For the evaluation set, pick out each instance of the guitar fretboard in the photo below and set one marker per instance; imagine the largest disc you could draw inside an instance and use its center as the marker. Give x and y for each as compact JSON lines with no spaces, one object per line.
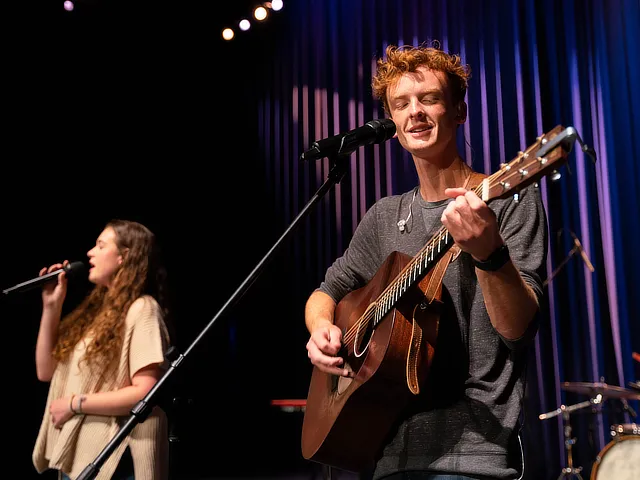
{"x":419,"y":266}
{"x":415,"y":270}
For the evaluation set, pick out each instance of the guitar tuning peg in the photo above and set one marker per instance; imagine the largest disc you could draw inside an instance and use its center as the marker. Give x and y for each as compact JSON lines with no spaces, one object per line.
{"x":555,"y":176}
{"x":516,"y":197}
{"x":536,"y":185}
{"x":502,"y":165}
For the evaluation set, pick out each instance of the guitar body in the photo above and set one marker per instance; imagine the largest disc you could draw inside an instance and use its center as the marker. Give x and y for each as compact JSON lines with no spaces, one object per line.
{"x":347,"y":419}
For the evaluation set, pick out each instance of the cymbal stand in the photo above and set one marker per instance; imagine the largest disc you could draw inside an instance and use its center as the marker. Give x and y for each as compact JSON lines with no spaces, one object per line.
{"x":570,"y":471}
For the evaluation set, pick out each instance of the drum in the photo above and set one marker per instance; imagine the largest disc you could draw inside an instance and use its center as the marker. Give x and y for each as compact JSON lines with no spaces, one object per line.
{"x":619,"y":459}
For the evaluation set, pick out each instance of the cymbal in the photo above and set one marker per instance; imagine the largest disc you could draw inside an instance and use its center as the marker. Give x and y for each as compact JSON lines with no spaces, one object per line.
{"x":605,"y":390}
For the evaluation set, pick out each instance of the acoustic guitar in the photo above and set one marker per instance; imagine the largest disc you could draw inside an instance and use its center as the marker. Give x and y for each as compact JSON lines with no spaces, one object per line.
{"x":390,"y":329}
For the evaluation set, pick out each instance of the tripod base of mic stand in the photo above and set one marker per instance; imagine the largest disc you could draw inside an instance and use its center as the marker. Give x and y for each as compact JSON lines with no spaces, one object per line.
{"x":569,"y":472}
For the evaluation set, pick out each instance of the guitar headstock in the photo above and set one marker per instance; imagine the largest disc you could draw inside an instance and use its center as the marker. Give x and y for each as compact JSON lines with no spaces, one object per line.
{"x":543,"y":157}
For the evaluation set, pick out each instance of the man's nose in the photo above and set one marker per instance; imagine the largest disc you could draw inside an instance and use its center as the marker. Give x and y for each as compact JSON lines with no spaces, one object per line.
{"x":416,"y":109}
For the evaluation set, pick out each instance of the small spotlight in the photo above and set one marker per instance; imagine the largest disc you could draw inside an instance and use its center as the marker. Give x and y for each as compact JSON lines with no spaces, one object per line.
{"x":244,"y":25}
{"x":276,"y":5}
{"x":227,"y":34}
{"x":260,"y":13}
{"x":68,"y":5}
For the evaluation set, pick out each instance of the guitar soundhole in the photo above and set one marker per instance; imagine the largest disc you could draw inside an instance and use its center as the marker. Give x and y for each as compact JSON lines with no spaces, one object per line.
{"x":363,"y":329}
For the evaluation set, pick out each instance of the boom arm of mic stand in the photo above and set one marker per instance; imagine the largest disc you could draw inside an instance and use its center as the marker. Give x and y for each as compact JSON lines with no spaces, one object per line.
{"x":562,"y":264}
{"x":141,"y":410}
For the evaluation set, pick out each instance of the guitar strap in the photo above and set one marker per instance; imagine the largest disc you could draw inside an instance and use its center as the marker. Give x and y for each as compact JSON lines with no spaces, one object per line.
{"x":431,"y":292}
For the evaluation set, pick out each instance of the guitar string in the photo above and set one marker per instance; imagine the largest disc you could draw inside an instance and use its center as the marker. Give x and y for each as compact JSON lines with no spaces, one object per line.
{"x":392,"y":288}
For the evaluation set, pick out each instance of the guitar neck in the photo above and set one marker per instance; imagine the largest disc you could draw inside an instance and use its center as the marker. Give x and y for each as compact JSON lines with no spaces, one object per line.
{"x":545,"y":155}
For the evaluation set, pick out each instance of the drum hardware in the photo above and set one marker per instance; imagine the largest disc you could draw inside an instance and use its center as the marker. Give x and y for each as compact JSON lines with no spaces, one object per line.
{"x":602,"y":388}
{"x":619,"y":429}
{"x":569,"y":441}
{"x":627,"y":408}
{"x":620,"y":458}
{"x":619,"y":393}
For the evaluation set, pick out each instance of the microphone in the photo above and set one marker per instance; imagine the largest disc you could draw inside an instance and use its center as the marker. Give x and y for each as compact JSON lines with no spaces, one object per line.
{"x":583,"y":254}
{"x":73,"y":269}
{"x":374,"y":131}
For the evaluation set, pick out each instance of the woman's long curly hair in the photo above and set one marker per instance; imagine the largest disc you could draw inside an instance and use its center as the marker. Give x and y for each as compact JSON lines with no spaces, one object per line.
{"x":401,"y":60}
{"x":101,"y":316}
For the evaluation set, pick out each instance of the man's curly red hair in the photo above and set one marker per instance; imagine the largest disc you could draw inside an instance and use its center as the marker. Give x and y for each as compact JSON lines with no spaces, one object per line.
{"x":401,"y":60}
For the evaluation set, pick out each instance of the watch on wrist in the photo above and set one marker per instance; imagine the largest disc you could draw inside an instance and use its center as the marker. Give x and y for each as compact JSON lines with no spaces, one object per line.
{"x":495,"y":261}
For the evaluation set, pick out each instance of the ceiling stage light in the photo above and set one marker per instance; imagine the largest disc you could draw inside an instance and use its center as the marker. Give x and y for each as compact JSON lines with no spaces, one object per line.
{"x":260,"y":13}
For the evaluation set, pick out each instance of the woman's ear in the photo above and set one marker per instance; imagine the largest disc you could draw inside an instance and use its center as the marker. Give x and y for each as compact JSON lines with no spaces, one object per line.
{"x":123,"y":255}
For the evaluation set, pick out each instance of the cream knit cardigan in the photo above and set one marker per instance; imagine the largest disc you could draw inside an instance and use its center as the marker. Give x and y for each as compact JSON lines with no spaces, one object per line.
{"x":81,"y":439}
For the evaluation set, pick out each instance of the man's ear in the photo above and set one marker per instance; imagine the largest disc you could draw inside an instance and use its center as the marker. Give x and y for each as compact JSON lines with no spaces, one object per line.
{"x":461,"y":113}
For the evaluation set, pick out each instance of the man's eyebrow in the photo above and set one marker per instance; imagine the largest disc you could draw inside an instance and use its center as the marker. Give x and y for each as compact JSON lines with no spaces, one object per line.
{"x":421,"y":93}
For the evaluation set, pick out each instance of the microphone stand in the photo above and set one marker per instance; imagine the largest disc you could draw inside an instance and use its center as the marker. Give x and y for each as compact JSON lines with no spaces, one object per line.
{"x":141,"y":410}
{"x":571,"y":253}
{"x":577,"y":247}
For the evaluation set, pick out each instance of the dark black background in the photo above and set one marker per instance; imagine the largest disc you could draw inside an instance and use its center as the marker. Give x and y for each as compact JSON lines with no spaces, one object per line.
{"x":139,"y":110}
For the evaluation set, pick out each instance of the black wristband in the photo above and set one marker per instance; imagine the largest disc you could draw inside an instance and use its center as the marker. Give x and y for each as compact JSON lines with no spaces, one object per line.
{"x":495,"y":261}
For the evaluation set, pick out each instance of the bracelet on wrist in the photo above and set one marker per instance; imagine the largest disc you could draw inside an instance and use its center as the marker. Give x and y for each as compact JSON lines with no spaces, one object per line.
{"x":81,"y":398}
{"x":498,"y":258}
{"x":73,"y":395}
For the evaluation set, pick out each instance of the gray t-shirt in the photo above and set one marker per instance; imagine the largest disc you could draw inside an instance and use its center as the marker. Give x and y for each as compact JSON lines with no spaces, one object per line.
{"x":469,"y":422}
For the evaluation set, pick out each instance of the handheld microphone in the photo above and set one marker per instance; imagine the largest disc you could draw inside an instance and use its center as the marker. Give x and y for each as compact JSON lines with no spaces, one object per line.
{"x":374,"y":131}
{"x":73,"y":269}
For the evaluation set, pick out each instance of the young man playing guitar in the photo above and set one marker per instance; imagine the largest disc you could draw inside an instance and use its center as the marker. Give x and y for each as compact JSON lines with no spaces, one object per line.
{"x":463,"y":420}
